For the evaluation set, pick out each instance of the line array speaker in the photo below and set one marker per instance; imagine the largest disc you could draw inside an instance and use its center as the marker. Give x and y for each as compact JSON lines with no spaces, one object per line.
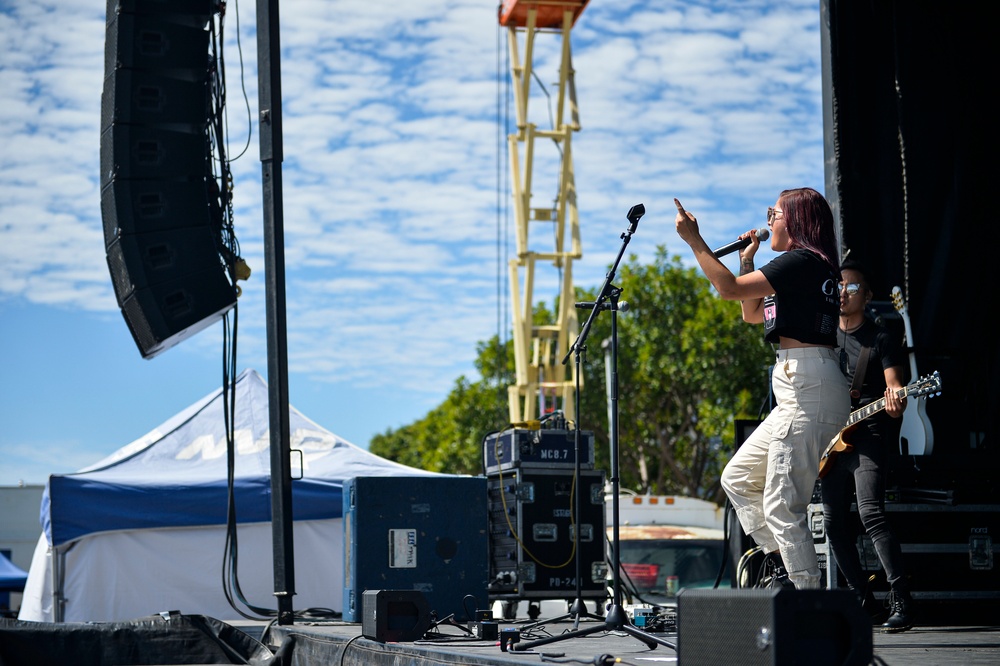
{"x":159,"y":199}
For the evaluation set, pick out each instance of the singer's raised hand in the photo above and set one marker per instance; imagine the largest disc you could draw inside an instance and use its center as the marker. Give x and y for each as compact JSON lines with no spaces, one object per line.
{"x":687,"y":224}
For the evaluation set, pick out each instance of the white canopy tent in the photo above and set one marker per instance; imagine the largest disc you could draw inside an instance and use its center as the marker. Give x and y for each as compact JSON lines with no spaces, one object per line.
{"x":143,"y":531}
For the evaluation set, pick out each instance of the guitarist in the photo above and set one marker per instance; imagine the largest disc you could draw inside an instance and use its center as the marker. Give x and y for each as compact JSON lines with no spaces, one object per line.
{"x":878,"y":359}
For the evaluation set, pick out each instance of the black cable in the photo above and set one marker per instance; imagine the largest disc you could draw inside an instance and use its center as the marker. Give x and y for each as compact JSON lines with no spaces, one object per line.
{"x":448,"y":620}
{"x":725,"y":544}
{"x":229,"y":252}
{"x":632,"y":589}
{"x":243,"y":83}
{"x":231,"y":586}
{"x":471,"y":614}
{"x":343,"y":650}
{"x":599,"y":660}
{"x":223,"y":216}
{"x":499,"y":178}
{"x":220,"y":185}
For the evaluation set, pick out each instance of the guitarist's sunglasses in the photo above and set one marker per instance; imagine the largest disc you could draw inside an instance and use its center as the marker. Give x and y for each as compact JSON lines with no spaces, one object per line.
{"x":851,"y":288}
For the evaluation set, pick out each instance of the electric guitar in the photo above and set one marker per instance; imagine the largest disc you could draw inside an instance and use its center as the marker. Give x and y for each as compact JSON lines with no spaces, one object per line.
{"x":916,"y":435}
{"x":928,"y":386}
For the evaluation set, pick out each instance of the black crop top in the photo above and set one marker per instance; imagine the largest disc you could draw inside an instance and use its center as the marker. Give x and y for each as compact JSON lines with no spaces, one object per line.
{"x":805,"y":303}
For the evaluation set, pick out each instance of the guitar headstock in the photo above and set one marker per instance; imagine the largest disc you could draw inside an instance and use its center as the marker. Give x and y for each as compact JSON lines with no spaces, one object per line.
{"x":928,"y":386}
{"x":897,"y":300}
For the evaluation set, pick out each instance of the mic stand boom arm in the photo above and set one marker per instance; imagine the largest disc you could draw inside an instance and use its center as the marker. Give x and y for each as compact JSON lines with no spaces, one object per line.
{"x":634,"y":213}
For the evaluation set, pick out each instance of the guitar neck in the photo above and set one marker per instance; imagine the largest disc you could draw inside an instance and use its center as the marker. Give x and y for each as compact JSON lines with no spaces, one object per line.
{"x":904,"y":314}
{"x":909,"y":341}
{"x":873,"y":408}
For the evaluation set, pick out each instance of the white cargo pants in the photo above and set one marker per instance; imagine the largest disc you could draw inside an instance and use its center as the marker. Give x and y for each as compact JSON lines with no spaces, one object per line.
{"x":771,"y":477}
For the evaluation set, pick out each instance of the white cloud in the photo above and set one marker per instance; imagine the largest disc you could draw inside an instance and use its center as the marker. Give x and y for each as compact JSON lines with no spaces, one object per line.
{"x":392,"y":159}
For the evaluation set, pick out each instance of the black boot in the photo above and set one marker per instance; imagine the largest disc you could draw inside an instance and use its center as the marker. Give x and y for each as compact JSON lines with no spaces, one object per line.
{"x":900,"y":612}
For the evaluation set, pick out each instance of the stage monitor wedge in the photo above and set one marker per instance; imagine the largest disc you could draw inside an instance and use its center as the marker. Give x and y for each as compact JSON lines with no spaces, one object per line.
{"x":772,"y":627}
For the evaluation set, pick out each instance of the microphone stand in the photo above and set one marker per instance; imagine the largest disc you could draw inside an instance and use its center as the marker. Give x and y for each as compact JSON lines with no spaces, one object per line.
{"x":616,"y":619}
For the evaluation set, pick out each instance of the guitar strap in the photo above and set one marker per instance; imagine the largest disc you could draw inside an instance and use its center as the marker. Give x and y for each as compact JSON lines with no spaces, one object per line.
{"x":859,"y":373}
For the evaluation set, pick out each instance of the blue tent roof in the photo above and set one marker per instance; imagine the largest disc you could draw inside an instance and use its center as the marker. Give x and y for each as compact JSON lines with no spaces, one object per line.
{"x":176,"y":474}
{"x":12,"y":577}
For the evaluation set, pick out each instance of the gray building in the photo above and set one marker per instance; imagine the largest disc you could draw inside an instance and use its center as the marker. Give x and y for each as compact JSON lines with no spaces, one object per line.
{"x":19,"y":530}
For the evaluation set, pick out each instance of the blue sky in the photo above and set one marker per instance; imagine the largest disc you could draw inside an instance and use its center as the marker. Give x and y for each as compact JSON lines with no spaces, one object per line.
{"x":390,"y":196}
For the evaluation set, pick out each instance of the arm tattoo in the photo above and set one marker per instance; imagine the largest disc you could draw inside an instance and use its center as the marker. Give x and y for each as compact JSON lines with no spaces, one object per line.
{"x":746,"y":266}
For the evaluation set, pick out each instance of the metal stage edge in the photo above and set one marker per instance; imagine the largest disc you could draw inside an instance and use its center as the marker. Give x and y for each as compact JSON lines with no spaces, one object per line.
{"x":343,"y":643}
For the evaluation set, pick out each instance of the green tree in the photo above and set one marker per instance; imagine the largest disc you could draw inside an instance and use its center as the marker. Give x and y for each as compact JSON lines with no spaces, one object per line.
{"x":687,"y":367}
{"x":449,"y":438}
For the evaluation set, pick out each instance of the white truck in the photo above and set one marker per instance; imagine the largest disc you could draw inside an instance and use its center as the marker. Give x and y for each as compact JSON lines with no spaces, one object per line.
{"x":667,"y":542}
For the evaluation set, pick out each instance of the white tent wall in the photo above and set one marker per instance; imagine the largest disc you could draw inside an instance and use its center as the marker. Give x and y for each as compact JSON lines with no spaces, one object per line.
{"x":37,"y":602}
{"x":132,"y":574}
{"x":143,"y":531}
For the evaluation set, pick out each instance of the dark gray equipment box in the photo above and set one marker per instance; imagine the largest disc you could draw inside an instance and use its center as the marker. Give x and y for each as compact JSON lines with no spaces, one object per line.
{"x":949,"y":550}
{"x":416,"y":533}
{"x":551,"y":449}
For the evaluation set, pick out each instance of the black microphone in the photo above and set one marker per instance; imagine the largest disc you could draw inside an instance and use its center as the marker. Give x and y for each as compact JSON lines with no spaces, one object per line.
{"x":606,"y":305}
{"x":634,"y":213}
{"x":737,"y":245}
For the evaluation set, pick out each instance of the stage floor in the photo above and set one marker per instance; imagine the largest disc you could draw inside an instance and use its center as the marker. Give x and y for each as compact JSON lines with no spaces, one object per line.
{"x":343,"y":643}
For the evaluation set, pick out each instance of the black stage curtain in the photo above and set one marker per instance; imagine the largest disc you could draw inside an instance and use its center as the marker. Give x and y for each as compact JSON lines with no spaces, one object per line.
{"x":911,"y":145}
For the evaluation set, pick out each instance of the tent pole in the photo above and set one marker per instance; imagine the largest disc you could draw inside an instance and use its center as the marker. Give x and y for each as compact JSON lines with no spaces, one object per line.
{"x":58,"y":600}
{"x":269,"y":82}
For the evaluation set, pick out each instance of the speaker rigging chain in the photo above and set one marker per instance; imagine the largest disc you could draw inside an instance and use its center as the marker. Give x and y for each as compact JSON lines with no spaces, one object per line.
{"x":902,"y":163}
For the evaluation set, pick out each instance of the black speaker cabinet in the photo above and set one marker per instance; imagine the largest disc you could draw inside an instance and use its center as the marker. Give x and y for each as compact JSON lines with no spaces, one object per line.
{"x":159,"y":198}
{"x":774,"y":627}
{"x":394,"y":616}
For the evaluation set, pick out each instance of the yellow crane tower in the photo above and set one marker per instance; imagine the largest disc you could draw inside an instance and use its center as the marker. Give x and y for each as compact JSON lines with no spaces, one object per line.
{"x":544,"y":382}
